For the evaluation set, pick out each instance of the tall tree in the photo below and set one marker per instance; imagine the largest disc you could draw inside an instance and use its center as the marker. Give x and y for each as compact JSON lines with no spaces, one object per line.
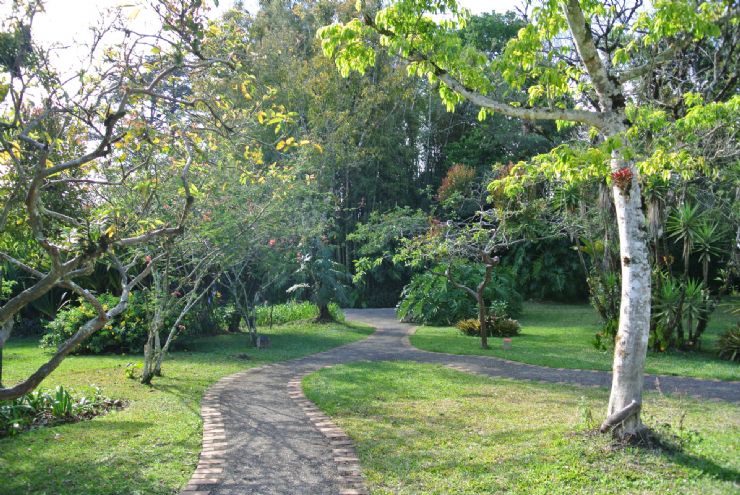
{"x":583,"y":58}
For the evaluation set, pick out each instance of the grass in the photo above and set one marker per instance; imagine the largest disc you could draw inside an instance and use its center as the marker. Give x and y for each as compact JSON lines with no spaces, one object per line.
{"x":428,"y":429}
{"x":293,"y":311}
{"x":152,"y":446}
{"x":560,"y":335}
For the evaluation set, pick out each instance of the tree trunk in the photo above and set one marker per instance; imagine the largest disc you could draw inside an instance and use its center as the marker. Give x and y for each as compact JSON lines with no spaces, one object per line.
{"x":482,"y":317}
{"x":234,"y":322}
{"x":634,"y":315}
{"x":147,"y":372}
{"x":5,"y":330}
{"x":157,"y":354}
{"x":152,"y":347}
{"x":324,"y":314}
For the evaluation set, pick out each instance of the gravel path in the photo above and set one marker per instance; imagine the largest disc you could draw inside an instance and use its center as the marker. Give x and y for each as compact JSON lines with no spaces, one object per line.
{"x":262,"y":437}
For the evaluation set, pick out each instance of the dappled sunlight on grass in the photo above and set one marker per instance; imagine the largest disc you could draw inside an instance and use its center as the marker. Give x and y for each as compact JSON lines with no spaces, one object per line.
{"x":152,"y":446}
{"x":428,"y":429}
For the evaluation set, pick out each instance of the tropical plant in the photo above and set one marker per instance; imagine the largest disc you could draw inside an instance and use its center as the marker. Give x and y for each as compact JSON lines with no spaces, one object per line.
{"x":683,"y":225}
{"x":431,"y":299}
{"x":496,"y":326}
{"x":323,"y":278}
{"x":49,"y":407}
{"x":729,"y":344}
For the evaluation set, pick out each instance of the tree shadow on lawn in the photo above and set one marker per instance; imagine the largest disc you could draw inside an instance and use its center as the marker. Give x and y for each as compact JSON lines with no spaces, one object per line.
{"x":680,"y":456}
{"x":67,"y":460}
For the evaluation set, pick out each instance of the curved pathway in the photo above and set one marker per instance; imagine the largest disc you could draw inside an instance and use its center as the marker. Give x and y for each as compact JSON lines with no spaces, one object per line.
{"x":262,"y":437}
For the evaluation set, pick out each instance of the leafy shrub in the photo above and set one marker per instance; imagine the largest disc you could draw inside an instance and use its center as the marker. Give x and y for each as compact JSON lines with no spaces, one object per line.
{"x":293,"y":311}
{"x":430,"y":299}
{"x":499,"y":309}
{"x":496,"y":326}
{"x":729,"y":344}
{"x":46,"y":408}
{"x":503,"y":327}
{"x":547,"y":270}
{"x":605,"y":295}
{"x":459,"y":179}
{"x":127,"y":333}
{"x":469,"y":327}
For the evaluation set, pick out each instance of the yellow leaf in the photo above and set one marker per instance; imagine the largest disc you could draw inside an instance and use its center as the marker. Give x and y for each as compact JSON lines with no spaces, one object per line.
{"x":245,"y":92}
{"x":280,"y":145}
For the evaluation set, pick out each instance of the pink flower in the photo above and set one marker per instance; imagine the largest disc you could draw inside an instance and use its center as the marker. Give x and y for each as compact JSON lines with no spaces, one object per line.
{"x":272,"y":242}
{"x":148,"y":259}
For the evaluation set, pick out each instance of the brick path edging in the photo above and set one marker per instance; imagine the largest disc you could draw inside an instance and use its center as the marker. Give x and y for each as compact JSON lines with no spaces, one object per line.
{"x":345,"y":456}
{"x":209,"y":471}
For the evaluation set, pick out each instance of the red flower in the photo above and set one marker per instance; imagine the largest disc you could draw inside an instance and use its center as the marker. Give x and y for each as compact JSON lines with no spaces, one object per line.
{"x":272,"y":242}
{"x":622,"y":178}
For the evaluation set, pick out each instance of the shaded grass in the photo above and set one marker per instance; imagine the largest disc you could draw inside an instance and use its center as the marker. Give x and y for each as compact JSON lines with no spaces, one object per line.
{"x":560,"y":335}
{"x":428,"y":429}
{"x":152,"y":446}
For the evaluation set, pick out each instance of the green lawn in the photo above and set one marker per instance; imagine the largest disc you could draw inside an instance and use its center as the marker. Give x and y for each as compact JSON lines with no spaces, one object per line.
{"x":560,"y":335}
{"x":152,"y":446}
{"x":428,"y":429}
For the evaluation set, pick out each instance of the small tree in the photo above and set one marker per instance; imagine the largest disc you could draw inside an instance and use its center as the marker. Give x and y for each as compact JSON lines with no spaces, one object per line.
{"x":172,"y":298}
{"x":323,"y":278}
{"x":100,"y":146}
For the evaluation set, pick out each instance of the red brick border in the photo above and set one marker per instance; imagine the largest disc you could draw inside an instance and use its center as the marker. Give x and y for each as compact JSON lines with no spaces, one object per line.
{"x":209,"y":471}
{"x":345,"y":457}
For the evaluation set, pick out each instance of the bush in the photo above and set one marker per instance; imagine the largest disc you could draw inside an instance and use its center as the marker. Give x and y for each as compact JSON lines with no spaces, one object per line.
{"x":127,"y":333}
{"x":496,"y":326}
{"x":293,"y":311}
{"x":469,"y":327}
{"x":431,"y":300}
{"x":729,"y":344}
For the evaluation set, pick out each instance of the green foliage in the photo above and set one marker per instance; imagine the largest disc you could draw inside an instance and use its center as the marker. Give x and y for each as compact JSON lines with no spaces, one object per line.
{"x":678,"y":307}
{"x":547,"y":270}
{"x":323,"y":278}
{"x":124,"y":334}
{"x":46,"y":408}
{"x":132,"y":370}
{"x":430,"y":299}
{"x":469,"y":327}
{"x":496,"y":326}
{"x":605,"y":288}
{"x":279,"y":314}
{"x":459,"y":180}
{"x":729,"y":344}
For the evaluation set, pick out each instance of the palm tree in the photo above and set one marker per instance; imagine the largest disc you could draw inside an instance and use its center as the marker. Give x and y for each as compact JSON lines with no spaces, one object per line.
{"x":707,"y":242}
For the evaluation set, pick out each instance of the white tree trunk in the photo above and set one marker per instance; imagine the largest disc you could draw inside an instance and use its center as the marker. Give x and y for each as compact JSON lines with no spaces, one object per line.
{"x":634,"y":316}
